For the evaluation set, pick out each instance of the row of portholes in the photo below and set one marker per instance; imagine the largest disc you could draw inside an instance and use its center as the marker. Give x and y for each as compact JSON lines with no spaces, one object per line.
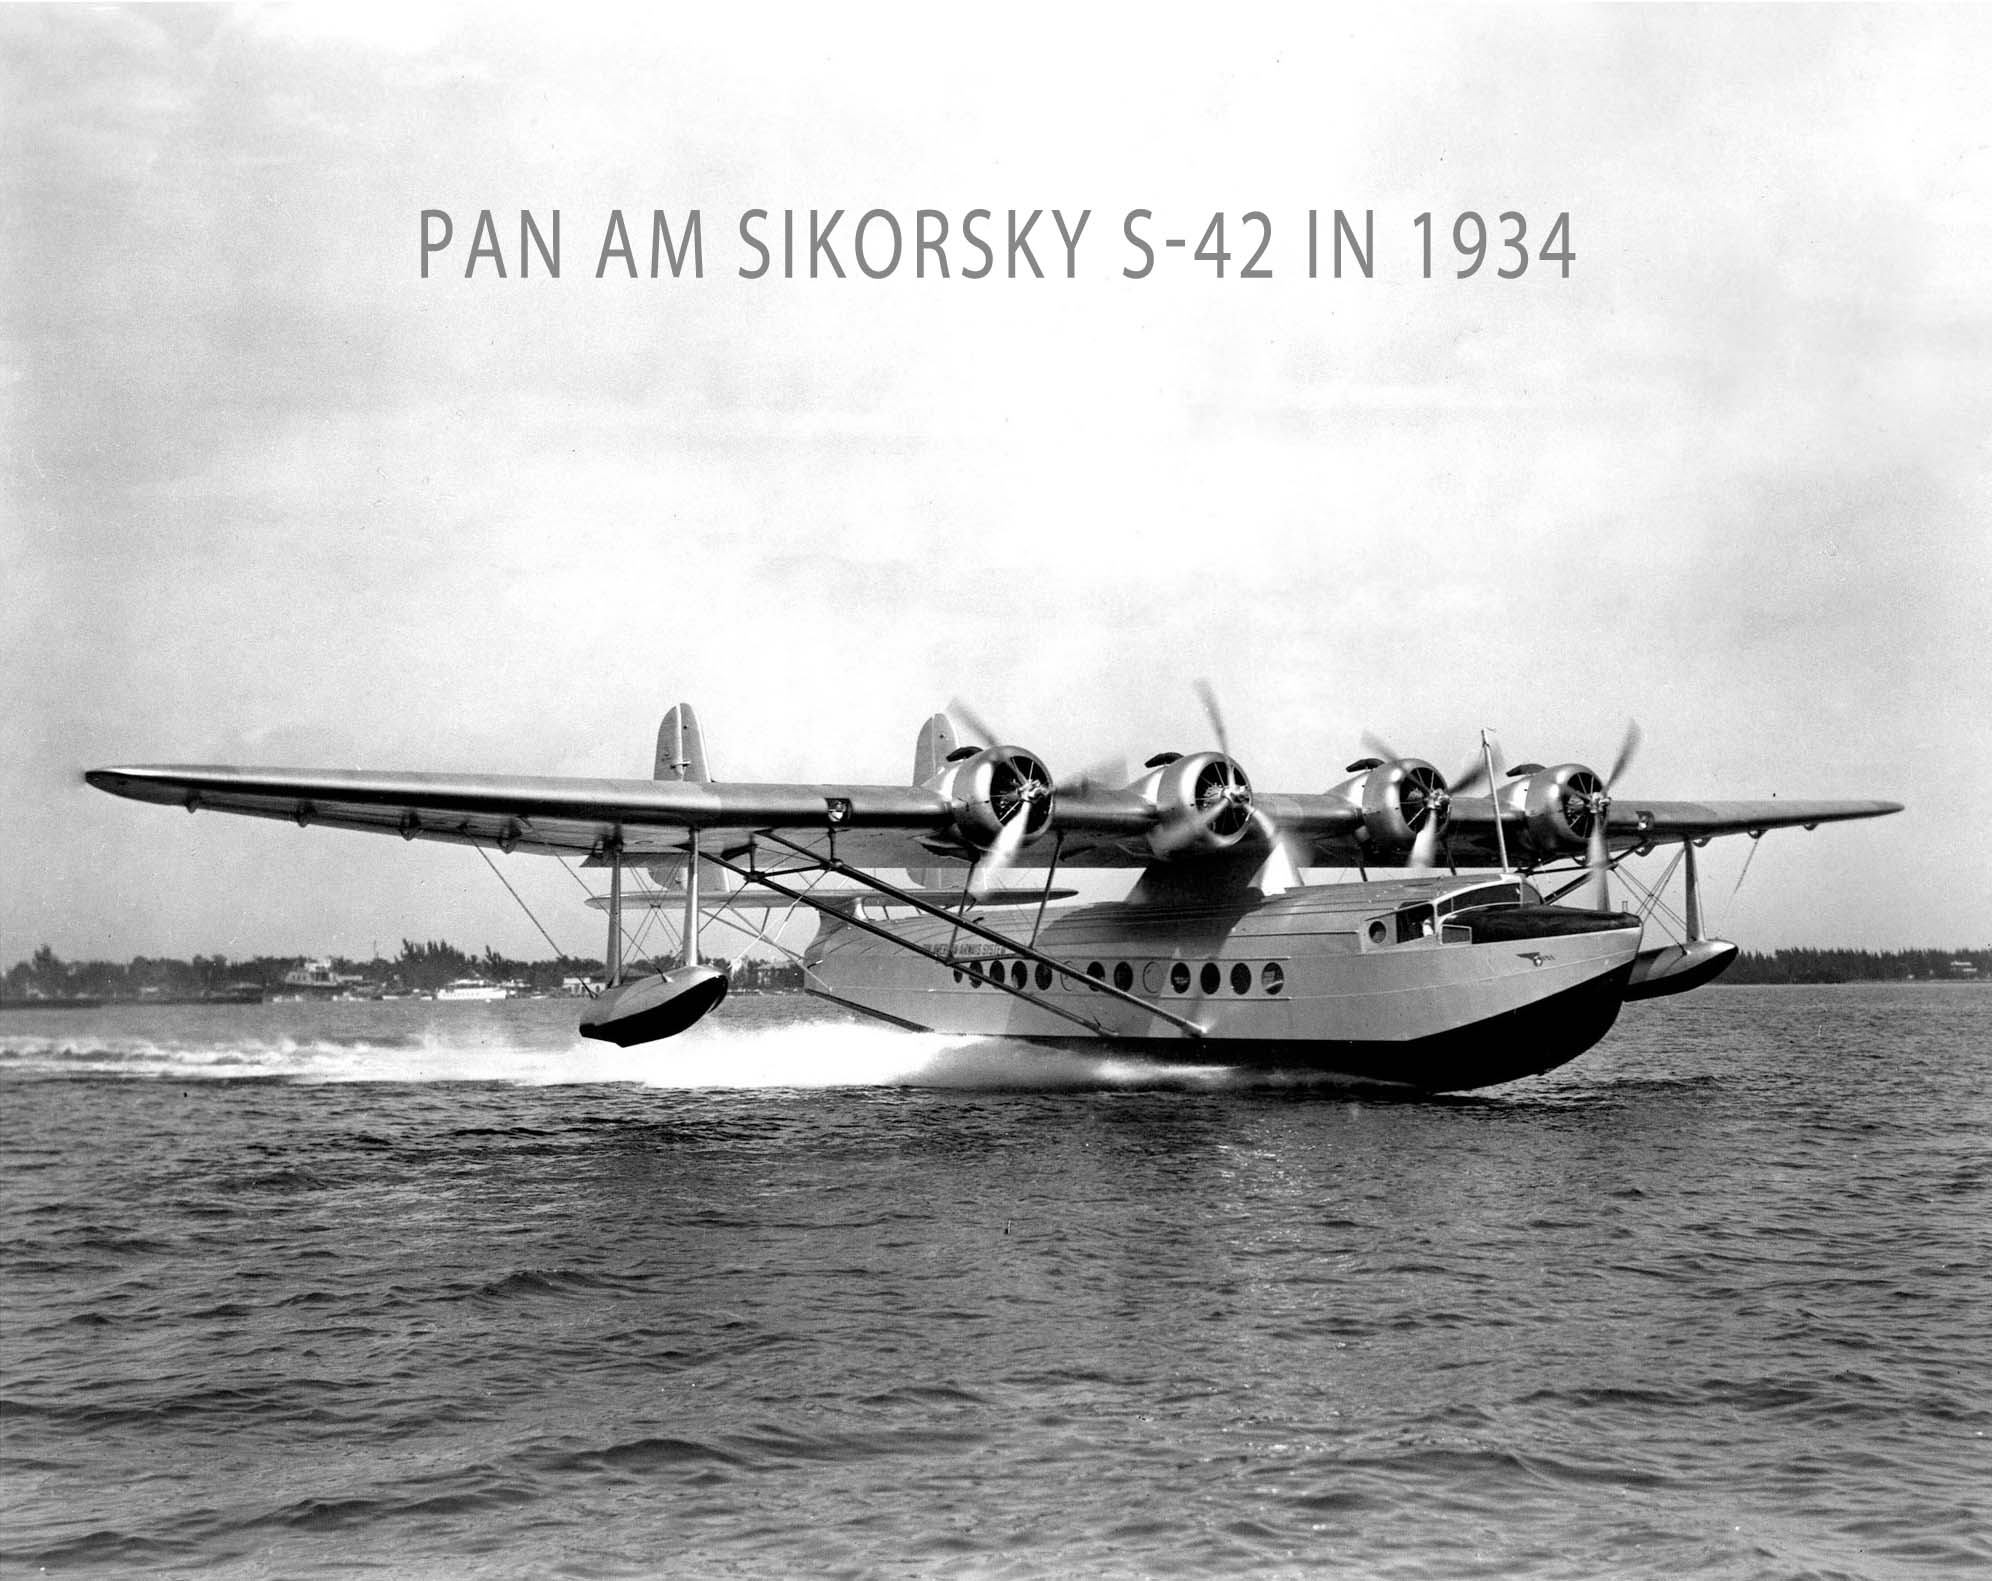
{"x":1154,"y":976}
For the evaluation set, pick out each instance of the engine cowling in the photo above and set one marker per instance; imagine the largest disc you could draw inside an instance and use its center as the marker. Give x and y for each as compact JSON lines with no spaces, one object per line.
{"x":1558,"y":806}
{"x":1205,"y":800}
{"x":986,"y":791}
{"x":1396,"y":800}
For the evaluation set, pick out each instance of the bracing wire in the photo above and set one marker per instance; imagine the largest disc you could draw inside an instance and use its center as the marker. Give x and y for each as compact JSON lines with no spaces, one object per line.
{"x":1654,"y":894}
{"x":528,"y":910}
{"x":1656,"y":901}
{"x":1746,"y":865}
{"x":654,"y":911}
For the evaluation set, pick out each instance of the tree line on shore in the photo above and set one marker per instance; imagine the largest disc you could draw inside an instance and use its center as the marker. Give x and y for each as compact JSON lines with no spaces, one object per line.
{"x":1860,"y":966}
{"x":419,"y":968}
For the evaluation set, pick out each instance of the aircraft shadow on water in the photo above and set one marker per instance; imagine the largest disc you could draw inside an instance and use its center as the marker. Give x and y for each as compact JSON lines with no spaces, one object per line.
{"x":1456,"y":971}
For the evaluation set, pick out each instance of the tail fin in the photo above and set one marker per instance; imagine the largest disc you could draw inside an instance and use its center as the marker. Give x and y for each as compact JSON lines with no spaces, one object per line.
{"x":930,"y":756}
{"x":681,"y":756}
{"x":930,"y":752}
{"x":681,"y":746}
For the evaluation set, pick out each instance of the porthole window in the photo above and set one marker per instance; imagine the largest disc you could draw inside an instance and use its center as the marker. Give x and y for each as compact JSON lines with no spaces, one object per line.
{"x":1378,"y":933}
{"x":1271,"y":977}
{"x":1043,"y":975}
{"x":1153,"y":976}
{"x":1019,"y":974}
{"x":1179,"y":977}
{"x":1095,"y":969}
{"x":957,"y":974}
{"x":1213,"y":977}
{"x":1123,"y":976}
{"x":1241,"y":978}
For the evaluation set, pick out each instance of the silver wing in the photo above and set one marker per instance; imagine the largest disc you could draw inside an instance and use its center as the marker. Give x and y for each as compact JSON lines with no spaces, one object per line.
{"x":873,"y":825}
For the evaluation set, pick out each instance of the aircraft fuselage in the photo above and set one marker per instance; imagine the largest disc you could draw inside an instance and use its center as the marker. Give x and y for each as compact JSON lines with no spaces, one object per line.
{"x":1436,"y":983}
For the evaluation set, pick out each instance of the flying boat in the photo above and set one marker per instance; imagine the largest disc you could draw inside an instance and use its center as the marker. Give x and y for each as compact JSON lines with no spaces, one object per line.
{"x":1444,"y":965}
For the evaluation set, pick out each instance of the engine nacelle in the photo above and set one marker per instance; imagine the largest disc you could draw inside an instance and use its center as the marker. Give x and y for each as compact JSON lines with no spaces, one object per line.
{"x":1395,"y":799}
{"x":1556,"y":805}
{"x":1205,"y":800}
{"x":985,"y":792}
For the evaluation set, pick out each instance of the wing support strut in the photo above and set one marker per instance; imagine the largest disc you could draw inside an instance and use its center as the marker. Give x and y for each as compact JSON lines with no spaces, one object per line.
{"x":1692,"y":880}
{"x":691,"y":944}
{"x":612,"y":849}
{"x":898,"y":897}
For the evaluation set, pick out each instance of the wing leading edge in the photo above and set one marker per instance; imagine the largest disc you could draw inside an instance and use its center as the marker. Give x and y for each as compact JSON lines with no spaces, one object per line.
{"x":1634,"y":822}
{"x":874,"y":825}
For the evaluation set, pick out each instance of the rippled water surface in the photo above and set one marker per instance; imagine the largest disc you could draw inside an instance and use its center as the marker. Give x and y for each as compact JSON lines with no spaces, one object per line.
{"x":440,"y":1290}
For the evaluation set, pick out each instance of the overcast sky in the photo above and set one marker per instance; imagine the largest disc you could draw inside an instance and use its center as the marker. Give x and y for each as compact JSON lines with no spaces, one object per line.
{"x":270,"y":496}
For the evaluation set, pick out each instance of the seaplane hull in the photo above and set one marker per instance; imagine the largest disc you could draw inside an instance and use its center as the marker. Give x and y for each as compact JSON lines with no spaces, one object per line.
{"x":1398,"y":984}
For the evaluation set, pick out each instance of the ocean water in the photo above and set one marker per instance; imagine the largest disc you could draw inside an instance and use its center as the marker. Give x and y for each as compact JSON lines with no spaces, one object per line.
{"x":440,"y":1290}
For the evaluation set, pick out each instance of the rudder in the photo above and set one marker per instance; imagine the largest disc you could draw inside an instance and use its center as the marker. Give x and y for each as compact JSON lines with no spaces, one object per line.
{"x":930,"y":756}
{"x":930,"y":752}
{"x":681,"y":747}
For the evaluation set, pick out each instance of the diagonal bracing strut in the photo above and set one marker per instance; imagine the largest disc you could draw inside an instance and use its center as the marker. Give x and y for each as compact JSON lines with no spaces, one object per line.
{"x":899,"y":897}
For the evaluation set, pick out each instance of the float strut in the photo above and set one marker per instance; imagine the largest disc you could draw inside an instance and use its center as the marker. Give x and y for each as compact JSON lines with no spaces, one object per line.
{"x":1692,"y":883}
{"x":692,"y":900}
{"x":612,"y":849}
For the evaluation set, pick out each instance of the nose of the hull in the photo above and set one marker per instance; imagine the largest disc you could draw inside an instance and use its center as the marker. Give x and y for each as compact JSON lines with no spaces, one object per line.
{"x":1526,"y":1041}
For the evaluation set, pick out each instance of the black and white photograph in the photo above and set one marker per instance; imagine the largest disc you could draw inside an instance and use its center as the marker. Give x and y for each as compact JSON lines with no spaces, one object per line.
{"x":1057,"y":792}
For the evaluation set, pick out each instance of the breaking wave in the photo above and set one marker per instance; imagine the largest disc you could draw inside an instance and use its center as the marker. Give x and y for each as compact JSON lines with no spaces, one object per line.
{"x":751,"y":1044}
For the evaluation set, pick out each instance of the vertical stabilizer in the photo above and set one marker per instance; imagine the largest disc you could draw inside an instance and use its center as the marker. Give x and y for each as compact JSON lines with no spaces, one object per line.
{"x":681,"y":746}
{"x":930,"y":756}
{"x":681,"y":756}
{"x":930,"y":752}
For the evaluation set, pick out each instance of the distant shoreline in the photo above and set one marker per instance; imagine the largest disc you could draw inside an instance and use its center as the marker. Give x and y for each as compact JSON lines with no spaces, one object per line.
{"x":46,"y":981}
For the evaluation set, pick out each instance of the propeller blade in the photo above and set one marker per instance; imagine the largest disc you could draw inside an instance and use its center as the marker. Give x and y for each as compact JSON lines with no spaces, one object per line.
{"x":1474,"y":775}
{"x":977,"y":725}
{"x":1002,"y":851}
{"x":1598,"y":860}
{"x":1377,"y":747}
{"x":1627,"y":748}
{"x":1425,"y":849}
{"x":1214,"y":714}
{"x":1107,"y":774}
{"x":1183,"y":826}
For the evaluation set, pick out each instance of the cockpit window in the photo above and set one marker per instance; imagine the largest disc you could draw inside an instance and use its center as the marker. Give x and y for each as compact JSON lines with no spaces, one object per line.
{"x":1416,"y":922}
{"x":1486,"y":895}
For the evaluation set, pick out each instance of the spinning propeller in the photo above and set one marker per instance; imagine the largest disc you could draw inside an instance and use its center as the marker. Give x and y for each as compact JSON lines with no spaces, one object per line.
{"x":1589,"y":811}
{"x":1425,"y":794}
{"x":1020,"y":799}
{"x":1221,"y":801}
{"x":1585,"y":804}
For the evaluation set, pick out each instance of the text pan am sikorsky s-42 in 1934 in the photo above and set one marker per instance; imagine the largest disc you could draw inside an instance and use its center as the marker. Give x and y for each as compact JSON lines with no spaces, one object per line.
{"x":1454,"y":971}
